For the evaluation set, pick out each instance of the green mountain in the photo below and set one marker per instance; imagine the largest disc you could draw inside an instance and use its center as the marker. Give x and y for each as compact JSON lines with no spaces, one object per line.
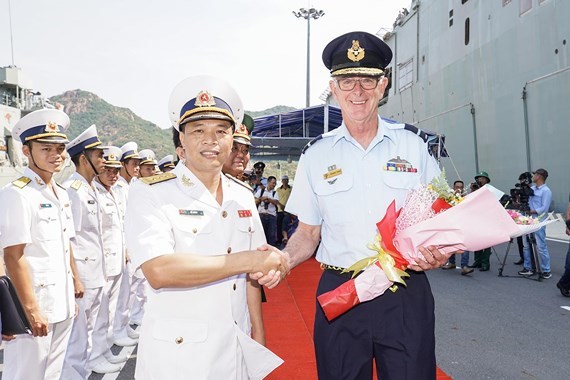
{"x":117,"y":125}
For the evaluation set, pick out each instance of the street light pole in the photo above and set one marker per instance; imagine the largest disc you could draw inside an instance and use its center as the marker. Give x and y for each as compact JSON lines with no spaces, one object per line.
{"x":309,"y":14}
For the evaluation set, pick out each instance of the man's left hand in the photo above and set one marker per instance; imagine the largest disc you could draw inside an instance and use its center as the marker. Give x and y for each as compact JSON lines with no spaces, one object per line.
{"x":433,"y":259}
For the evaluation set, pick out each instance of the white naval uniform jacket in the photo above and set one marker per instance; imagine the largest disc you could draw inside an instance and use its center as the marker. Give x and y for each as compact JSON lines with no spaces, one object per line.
{"x":34,"y":216}
{"x":346,"y":189}
{"x":200,"y":332}
{"x":87,"y":245}
{"x":112,"y":208}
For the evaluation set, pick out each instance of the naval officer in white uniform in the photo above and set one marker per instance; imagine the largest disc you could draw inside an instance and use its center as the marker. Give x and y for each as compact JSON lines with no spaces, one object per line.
{"x":86,"y":152}
{"x":35,"y":227}
{"x":195,"y":240}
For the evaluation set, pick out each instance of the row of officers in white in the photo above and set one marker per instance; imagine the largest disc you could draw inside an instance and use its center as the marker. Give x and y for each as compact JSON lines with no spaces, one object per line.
{"x":68,"y":250}
{"x":65,"y":251}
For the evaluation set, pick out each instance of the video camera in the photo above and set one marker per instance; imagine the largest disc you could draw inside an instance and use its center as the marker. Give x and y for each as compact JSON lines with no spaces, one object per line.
{"x":519,"y":196}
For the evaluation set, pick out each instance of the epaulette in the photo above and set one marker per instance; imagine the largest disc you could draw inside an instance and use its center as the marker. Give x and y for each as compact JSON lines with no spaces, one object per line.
{"x":21,"y":182}
{"x":162,"y":177}
{"x":239,"y":182}
{"x":416,"y":131}
{"x":76,"y":185}
{"x":311,"y":143}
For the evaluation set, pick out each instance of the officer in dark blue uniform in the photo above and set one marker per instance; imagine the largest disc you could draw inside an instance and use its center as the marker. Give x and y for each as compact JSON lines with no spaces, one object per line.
{"x":343,"y":187}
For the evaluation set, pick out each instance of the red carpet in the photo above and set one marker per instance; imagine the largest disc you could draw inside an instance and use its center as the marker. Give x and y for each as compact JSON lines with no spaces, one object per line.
{"x":289,"y":315}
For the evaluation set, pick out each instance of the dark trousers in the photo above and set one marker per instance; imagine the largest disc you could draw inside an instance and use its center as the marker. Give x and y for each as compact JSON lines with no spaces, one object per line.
{"x":269,"y":223}
{"x":565,"y":280}
{"x":396,"y":329}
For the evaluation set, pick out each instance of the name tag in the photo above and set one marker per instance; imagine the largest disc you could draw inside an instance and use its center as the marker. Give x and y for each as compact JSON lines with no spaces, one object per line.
{"x":191,"y":212}
{"x":91,"y":202}
{"x":45,"y":205}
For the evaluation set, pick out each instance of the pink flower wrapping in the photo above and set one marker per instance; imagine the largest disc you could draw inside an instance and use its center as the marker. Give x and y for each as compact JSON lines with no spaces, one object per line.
{"x":478,"y":222}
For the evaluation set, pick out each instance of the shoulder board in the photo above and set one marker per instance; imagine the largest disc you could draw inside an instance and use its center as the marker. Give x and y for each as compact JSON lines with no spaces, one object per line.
{"x":76,"y":185}
{"x":310,"y":143}
{"x":21,"y":182}
{"x":162,"y":177}
{"x":416,"y":131}
{"x":239,"y":182}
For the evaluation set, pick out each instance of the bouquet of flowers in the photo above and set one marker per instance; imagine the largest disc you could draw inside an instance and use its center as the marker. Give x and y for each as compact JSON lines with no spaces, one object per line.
{"x":527,"y":224}
{"x":431,"y":215}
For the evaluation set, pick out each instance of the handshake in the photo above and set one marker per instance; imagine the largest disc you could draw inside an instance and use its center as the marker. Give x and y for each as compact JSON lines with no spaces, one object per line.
{"x":269,"y":266}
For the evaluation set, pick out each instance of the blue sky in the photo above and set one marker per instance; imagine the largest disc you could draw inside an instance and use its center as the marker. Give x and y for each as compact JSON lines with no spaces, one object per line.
{"x":132,"y":53}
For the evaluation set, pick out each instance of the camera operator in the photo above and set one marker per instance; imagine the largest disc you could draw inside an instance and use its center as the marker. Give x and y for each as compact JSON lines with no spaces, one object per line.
{"x":519,"y":201}
{"x":539,"y":203}
{"x":481,"y":257}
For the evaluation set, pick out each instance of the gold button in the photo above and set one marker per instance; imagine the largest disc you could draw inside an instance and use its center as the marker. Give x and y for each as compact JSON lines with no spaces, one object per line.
{"x":87,"y":259}
{"x":179,"y":340}
{"x":234,"y":286}
{"x":194,"y":230}
{"x":229,"y":250}
{"x":249,"y":229}
{"x":224,"y":214}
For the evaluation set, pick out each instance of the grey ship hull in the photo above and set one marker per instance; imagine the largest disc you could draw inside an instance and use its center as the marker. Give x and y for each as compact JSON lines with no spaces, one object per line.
{"x":501,"y":100}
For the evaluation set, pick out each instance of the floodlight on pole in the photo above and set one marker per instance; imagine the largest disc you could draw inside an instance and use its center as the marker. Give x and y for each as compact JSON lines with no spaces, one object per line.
{"x":309,"y":14}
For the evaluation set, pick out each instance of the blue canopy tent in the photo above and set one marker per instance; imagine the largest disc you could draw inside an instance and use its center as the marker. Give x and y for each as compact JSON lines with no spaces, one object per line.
{"x":283,"y":136}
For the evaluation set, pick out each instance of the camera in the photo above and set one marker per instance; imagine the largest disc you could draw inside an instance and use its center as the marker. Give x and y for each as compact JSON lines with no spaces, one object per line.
{"x":520,"y":194}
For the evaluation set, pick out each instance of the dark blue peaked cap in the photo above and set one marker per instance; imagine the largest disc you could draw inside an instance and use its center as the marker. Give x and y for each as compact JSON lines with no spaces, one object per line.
{"x":357,"y":53}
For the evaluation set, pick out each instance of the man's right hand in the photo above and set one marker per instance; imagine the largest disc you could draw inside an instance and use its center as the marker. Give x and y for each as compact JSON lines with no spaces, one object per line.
{"x":38,"y":322}
{"x":273,"y":276}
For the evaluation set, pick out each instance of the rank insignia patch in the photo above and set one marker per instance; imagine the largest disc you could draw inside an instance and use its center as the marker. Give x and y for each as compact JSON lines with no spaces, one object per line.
{"x":400,"y":165}
{"x":244,"y":213}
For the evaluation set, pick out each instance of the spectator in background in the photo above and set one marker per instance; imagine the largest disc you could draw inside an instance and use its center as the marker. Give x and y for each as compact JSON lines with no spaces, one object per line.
{"x":539,"y":204}
{"x":148,"y":163}
{"x":282,"y":216}
{"x":177,"y":144}
{"x":564,"y":284}
{"x":481,"y":259}
{"x":239,"y":156}
{"x":267,"y":201}
{"x":258,"y":169}
{"x":459,"y":188}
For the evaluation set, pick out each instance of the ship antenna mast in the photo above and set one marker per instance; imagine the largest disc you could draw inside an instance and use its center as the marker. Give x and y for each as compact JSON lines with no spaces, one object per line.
{"x":11,"y":34}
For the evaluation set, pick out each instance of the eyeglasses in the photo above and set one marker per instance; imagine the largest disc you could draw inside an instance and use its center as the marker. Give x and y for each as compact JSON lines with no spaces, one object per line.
{"x":348,"y":84}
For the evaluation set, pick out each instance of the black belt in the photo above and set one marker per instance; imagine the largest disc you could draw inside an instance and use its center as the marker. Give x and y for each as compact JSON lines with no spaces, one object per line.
{"x":341,"y":272}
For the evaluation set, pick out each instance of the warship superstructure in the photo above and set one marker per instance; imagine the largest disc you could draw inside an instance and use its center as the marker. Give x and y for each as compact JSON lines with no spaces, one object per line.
{"x":492,"y":76}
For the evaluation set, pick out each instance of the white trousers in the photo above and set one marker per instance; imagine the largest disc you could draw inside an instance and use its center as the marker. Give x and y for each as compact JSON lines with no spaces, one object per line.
{"x":138,"y":297}
{"x":101,"y":339}
{"x":28,"y":357}
{"x":79,"y":348}
{"x":121,"y":320}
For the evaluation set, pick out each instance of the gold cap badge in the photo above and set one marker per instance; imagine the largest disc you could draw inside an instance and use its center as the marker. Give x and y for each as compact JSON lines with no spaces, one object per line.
{"x":52,"y":127}
{"x":355,"y":53}
{"x":204,"y":99}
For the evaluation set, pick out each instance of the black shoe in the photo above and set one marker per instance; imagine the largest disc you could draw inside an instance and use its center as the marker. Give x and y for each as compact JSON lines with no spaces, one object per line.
{"x":474,"y":265}
{"x":519,"y":262}
{"x":564,"y":292}
{"x":526,"y":272}
{"x":546,"y":275}
{"x":484,"y":268}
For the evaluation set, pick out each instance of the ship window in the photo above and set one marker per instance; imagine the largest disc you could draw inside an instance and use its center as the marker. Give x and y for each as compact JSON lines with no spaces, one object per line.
{"x":505,"y":2}
{"x":467,"y":23}
{"x":450,"y":22}
{"x":451,"y":13}
{"x":464,"y":1}
{"x":405,"y":75}
{"x":525,"y":6}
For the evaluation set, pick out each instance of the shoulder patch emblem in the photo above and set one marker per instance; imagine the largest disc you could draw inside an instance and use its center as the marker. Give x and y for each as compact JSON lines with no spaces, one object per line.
{"x":162,"y":177}
{"x":21,"y":182}
{"x":310,"y":143}
{"x":76,"y":185}
{"x":239,"y":182}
